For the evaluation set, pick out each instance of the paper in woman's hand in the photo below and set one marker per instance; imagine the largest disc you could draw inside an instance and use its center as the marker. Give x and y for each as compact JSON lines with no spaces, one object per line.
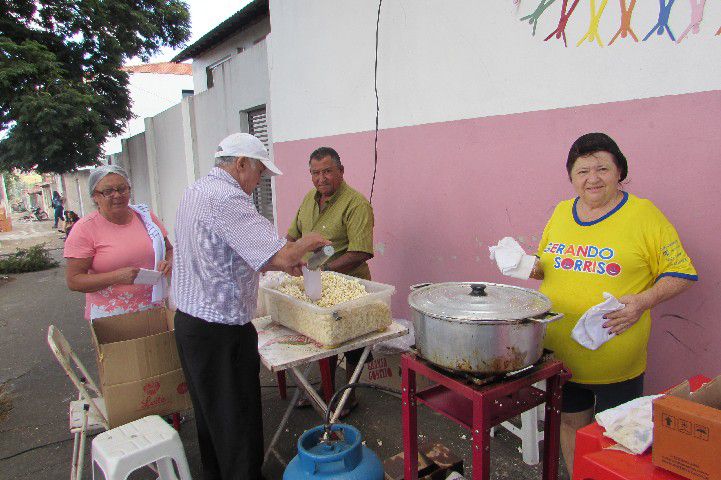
{"x":148,"y":277}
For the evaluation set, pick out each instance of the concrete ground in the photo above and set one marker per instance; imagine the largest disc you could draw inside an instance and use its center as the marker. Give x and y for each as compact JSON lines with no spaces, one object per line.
{"x":34,"y":394}
{"x":26,"y":233}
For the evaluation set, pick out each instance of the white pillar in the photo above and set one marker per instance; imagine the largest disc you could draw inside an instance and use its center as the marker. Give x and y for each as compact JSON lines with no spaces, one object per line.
{"x":190,"y":141}
{"x":153,"y":177}
{"x":4,"y":201}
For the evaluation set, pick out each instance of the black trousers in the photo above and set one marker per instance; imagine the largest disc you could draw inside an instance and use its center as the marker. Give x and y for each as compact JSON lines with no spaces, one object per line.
{"x":222,"y":366}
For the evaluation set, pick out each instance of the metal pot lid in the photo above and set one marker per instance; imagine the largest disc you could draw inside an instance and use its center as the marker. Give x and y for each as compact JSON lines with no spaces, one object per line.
{"x":479,"y":301}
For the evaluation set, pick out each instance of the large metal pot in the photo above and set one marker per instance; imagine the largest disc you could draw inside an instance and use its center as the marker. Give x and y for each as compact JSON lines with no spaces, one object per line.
{"x":480,"y":328}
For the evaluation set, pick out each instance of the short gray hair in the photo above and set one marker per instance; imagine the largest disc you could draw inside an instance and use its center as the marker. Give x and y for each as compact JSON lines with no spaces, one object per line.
{"x":221,"y":161}
{"x":100,"y":173}
{"x":224,"y":161}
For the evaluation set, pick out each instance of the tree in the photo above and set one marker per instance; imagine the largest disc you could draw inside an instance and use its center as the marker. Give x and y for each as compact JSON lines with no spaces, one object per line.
{"x":61,"y":88}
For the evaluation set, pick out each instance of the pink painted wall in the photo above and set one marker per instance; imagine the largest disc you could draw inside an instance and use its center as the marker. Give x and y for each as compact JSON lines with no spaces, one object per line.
{"x":445,"y":191}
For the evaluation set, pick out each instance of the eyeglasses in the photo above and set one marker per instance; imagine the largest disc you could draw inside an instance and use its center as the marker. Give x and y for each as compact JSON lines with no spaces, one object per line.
{"x":108,"y":192}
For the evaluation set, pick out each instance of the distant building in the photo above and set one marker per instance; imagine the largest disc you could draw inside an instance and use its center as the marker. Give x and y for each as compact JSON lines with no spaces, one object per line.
{"x":237,"y":34}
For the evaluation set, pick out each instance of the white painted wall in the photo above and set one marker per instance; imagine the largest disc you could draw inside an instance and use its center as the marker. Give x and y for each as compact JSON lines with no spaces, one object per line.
{"x":441,"y":61}
{"x":77,"y":197}
{"x":240,"y":85}
{"x":166,"y":152}
{"x":242,"y":40}
{"x":151,"y":93}
{"x":135,"y":149}
{"x":178,"y":144}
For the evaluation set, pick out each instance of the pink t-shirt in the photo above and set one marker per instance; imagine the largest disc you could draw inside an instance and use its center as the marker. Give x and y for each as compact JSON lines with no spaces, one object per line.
{"x":112,"y":247}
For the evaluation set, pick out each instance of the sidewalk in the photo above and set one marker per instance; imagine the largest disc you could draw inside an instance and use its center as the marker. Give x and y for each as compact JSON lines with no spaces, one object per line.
{"x":26,"y":233}
{"x":34,"y":437}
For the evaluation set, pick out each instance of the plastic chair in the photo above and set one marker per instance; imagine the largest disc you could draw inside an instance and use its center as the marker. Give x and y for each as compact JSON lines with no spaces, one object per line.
{"x":87,"y":413}
{"x":122,"y":450}
{"x":529,"y":433}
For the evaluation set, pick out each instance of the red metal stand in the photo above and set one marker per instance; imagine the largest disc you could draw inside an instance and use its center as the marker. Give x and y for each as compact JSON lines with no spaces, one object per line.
{"x":478,"y":408}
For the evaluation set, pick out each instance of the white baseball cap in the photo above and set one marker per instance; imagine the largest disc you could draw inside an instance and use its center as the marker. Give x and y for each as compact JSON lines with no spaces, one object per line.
{"x":246,"y":145}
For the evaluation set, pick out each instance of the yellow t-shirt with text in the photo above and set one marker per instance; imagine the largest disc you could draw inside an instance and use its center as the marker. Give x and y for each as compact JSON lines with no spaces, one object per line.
{"x":625,"y":252}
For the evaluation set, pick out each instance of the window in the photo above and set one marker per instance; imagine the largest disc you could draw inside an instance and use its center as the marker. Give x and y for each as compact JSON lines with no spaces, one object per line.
{"x":210,"y":69}
{"x":263,"y":194}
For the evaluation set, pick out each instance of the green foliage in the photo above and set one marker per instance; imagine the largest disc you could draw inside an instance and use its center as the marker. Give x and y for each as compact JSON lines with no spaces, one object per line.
{"x":32,"y":259}
{"x":61,"y":88}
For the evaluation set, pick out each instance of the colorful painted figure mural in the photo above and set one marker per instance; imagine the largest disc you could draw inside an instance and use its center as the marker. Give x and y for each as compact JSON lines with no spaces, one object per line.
{"x":592,"y":33}
{"x":662,"y":24}
{"x":625,"y":28}
{"x":560,"y":31}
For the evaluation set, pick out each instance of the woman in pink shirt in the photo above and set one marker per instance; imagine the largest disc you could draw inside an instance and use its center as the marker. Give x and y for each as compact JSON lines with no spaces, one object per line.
{"x":107,"y":248}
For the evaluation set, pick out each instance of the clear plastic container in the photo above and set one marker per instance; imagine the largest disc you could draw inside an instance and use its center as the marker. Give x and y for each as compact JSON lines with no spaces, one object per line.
{"x":335,"y":325}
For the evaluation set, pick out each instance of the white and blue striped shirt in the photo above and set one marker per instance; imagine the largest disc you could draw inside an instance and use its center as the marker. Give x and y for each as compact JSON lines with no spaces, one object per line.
{"x":221,"y":244}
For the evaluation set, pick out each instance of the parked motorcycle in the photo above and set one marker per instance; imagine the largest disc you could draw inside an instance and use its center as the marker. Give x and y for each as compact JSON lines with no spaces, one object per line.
{"x":40,"y":214}
{"x":37,"y":214}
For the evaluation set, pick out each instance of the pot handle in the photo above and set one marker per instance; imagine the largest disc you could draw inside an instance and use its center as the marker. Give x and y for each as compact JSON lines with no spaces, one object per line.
{"x":419,"y":285}
{"x":548,"y":317}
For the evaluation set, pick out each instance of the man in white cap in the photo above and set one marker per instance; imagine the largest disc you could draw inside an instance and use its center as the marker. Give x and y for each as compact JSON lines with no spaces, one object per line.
{"x":222,"y":243}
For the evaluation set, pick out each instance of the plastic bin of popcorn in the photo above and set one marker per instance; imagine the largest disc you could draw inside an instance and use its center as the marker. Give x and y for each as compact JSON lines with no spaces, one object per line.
{"x":349,"y":307}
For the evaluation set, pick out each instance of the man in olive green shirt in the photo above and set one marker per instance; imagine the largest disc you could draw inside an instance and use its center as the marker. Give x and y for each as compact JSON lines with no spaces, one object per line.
{"x":339,"y":213}
{"x":345,"y":217}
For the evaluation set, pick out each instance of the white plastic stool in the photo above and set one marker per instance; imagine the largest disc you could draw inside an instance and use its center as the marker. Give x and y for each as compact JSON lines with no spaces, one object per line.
{"x":529,"y":433}
{"x":122,"y":450}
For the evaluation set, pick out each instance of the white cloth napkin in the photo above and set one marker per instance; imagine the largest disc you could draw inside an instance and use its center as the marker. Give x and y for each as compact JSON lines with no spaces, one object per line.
{"x":589,"y":330}
{"x":511,"y":259}
{"x":630,"y":424}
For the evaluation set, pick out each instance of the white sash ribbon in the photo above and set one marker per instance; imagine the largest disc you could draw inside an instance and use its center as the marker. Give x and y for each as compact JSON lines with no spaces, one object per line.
{"x":160,"y":289}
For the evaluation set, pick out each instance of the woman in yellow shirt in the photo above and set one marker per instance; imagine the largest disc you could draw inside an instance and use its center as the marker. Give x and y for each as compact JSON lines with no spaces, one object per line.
{"x":605,"y":240}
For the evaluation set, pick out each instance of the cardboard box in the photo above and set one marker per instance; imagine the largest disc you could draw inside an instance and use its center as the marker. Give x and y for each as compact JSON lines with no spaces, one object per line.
{"x":138,"y":364}
{"x":435,"y":461}
{"x":386,"y":371}
{"x":687,"y":431}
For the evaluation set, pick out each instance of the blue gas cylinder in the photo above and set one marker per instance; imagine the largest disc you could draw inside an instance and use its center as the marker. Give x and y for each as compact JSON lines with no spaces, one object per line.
{"x":343,"y":458}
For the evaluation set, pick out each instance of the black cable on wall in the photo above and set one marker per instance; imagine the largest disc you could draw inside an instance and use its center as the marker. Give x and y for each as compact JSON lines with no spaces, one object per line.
{"x":375,"y":85}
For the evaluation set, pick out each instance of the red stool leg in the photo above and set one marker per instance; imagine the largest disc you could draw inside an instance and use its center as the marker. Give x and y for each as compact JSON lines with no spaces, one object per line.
{"x":282,"y":388}
{"x":410,"y":421}
{"x":326,"y":376}
{"x":176,"y":421}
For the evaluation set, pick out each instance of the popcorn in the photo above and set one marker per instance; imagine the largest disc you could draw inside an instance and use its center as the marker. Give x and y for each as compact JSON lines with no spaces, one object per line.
{"x":322,"y":322}
{"x":334,"y":289}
